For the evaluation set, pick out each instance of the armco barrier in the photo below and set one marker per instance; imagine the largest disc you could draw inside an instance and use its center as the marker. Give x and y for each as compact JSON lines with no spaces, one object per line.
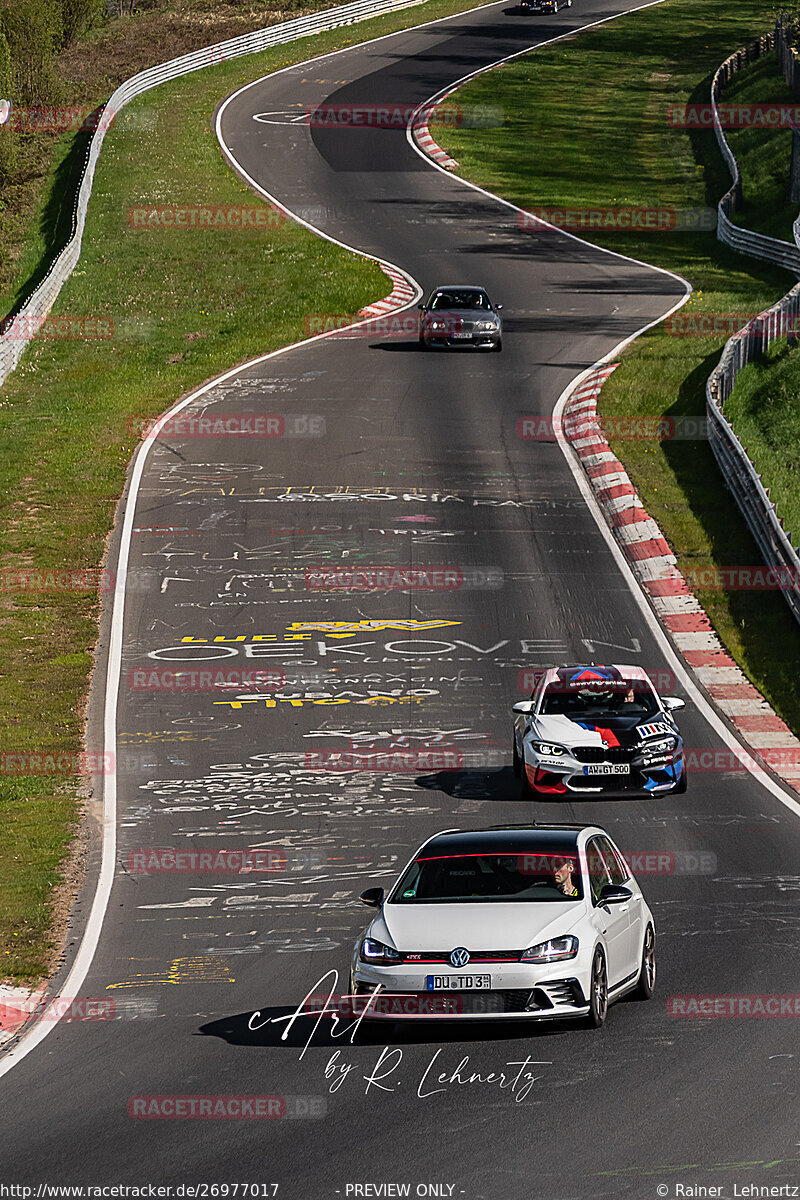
{"x":782,"y":254}
{"x":788,"y":58}
{"x":738,"y":471}
{"x":780,"y":321}
{"x":13,"y":341}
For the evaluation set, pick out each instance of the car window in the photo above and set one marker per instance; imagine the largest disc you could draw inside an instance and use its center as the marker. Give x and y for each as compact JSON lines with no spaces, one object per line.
{"x":599,"y":874}
{"x":526,"y":876}
{"x":454,"y":299}
{"x":609,"y":698}
{"x":617,"y":869}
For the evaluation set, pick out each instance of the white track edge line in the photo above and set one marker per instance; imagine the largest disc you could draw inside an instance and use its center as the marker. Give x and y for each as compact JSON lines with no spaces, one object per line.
{"x":654,"y":625}
{"x":91,"y":936}
{"x":651,"y":620}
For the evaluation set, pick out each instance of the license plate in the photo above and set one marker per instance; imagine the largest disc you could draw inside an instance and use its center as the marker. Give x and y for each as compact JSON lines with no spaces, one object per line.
{"x":607,"y":769}
{"x":458,"y":983}
{"x":462,"y":335}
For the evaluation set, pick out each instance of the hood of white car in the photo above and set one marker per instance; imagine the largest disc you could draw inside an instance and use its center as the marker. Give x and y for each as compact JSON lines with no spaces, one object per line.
{"x":617,"y":730}
{"x":560,"y":729}
{"x":494,"y":926}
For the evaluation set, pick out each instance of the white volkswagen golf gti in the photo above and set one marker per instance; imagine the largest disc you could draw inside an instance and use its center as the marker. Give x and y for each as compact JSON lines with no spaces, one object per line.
{"x":508,"y":922}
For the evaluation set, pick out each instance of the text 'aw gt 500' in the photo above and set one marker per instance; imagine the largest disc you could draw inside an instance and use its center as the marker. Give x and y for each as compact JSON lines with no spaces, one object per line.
{"x":597,"y":729}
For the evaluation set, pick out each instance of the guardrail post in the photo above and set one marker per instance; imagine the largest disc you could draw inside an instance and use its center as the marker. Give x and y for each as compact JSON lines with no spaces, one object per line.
{"x":794,"y":176}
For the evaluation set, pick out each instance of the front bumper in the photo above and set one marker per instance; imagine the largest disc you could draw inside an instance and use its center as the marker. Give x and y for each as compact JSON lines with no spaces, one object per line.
{"x":647,"y":775}
{"x":475,"y":338}
{"x":519,"y":991}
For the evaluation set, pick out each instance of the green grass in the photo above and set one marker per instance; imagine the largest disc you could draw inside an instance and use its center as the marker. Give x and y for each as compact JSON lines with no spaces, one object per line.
{"x":35,"y":222}
{"x":764,"y":156}
{"x":186,"y":306}
{"x":586,"y":125}
{"x":763,"y":409}
{"x":38,"y":170}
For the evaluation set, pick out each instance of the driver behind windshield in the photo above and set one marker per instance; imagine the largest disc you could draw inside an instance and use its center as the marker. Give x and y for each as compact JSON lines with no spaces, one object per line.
{"x":490,"y":877}
{"x":622,"y":698}
{"x":610,"y":699}
{"x":564,"y":869}
{"x":459,"y":300}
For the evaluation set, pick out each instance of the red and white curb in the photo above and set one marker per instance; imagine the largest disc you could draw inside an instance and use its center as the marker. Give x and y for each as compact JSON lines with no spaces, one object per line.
{"x":768,"y":737}
{"x":401,"y":295}
{"x":16,"y":1006}
{"x":422,"y":136}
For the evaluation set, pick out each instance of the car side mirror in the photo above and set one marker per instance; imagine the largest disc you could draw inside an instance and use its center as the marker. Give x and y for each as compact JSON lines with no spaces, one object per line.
{"x":373,"y":897}
{"x":499,"y":307}
{"x":614,"y":893}
{"x":673,"y":702}
{"x":421,"y":307}
{"x":524,"y":706}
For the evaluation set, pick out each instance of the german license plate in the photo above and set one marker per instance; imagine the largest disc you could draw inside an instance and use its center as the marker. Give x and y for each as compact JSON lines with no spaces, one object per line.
{"x":458,"y":983}
{"x":607,"y":769}
{"x":465,"y":334}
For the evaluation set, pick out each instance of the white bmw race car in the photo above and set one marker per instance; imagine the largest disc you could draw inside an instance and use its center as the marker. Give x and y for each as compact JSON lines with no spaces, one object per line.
{"x":590,"y":729}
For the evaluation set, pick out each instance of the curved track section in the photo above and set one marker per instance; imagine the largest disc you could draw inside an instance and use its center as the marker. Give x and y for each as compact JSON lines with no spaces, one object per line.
{"x":390,"y":456}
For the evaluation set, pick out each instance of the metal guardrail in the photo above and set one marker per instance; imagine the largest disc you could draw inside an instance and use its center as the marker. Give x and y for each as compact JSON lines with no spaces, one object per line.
{"x":752,"y":498}
{"x":773,"y":250}
{"x":22,"y":328}
{"x":780,"y":321}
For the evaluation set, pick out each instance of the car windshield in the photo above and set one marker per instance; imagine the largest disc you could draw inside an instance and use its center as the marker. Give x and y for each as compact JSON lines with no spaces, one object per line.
{"x":465,"y":299}
{"x":603,"y":698}
{"x":532,"y":876}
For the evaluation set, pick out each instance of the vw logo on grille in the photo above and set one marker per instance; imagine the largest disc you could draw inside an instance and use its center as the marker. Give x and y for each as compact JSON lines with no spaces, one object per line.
{"x":459,"y":957}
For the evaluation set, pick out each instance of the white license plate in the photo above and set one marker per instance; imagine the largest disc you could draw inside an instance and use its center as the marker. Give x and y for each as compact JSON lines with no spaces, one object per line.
{"x":462,"y":335}
{"x":607,"y":769}
{"x":458,"y":983}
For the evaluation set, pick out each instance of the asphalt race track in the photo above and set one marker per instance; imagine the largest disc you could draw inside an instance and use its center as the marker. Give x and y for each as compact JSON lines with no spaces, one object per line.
{"x":391,"y":456}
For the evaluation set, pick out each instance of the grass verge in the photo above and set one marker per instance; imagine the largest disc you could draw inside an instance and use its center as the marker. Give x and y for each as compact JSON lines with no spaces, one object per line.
{"x":764,"y":412}
{"x":186,"y":305}
{"x":37,"y":169}
{"x":763,"y":406}
{"x":764,"y":155}
{"x":586,"y":126}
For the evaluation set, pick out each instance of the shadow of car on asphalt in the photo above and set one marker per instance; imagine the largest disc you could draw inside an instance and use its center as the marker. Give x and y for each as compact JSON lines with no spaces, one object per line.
{"x":276,"y":1027}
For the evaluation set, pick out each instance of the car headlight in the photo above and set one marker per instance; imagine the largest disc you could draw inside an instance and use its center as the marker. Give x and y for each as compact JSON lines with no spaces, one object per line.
{"x":376,"y":952}
{"x":438,"y":325}
{"x":487,"y":325}
{"x":661,"y":746}
{"x":548,"y":748}
{"x":556,"y":950}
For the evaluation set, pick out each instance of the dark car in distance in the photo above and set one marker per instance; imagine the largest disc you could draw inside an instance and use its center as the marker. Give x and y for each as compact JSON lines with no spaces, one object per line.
{"x":544,"y":6}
